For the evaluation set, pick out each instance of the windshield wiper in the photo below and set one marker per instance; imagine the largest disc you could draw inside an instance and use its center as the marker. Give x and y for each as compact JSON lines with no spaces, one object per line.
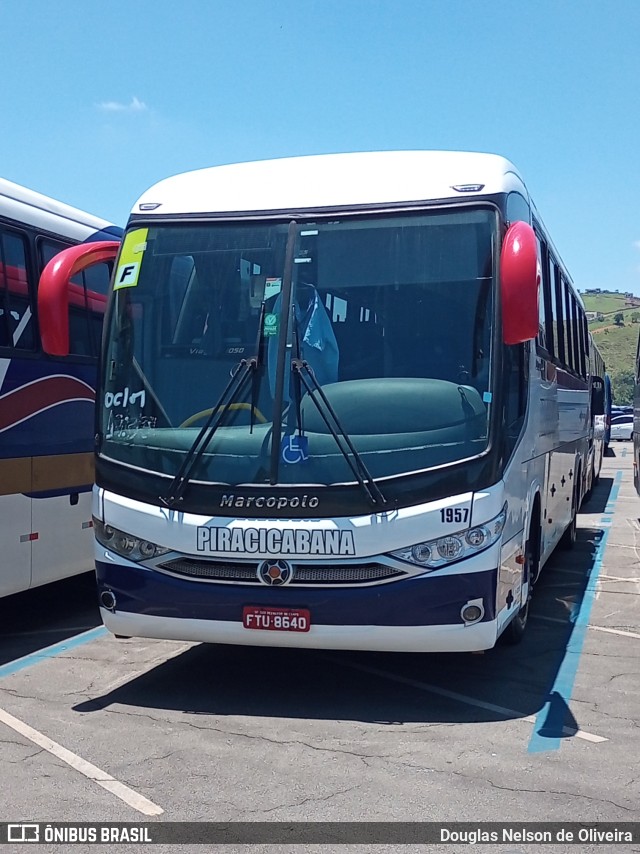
{"x":328,"y":414}
{"x":239,"y":375}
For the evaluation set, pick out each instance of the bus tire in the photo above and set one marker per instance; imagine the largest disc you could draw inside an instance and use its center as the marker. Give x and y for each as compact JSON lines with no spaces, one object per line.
{"x":515,"y":630}
{"x":568,"y":539}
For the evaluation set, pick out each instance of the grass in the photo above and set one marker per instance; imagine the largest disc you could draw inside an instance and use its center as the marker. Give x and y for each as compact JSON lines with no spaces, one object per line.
{"x":616,"y":343}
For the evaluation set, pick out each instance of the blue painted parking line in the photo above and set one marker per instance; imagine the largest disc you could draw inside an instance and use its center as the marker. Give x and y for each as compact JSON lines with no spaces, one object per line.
{"x":613,"y":495}
{"x":550,"y":720}
{"x":51,"y":651}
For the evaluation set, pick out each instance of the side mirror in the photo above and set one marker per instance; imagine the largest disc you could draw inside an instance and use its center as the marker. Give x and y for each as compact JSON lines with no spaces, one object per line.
{"x":54,"y":288}
{"x":519,"y":284}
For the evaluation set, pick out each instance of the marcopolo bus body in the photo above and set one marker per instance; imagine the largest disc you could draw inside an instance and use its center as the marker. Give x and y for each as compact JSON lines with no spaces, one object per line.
{"x":345,"y":403}
{"x":46,"y":404}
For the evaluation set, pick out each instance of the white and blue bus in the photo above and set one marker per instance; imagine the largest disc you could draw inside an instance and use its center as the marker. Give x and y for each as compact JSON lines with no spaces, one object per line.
{"x":600,"y":405}
{"x":46,"y":404}
{"x":345,"y":402}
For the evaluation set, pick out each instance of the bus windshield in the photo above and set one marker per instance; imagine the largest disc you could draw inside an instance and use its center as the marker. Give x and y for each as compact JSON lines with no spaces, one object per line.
{"x":390,"y":317}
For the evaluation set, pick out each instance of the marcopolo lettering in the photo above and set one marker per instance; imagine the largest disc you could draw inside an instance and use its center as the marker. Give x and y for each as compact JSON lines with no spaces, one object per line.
{"x":271,"y":502}
{"x":275,"y":541}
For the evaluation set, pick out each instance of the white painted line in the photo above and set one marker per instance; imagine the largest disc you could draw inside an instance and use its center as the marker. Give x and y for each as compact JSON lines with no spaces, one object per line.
{"x":133,"y":799}
{"x":462,"y":698}
{"x":621,"y":632}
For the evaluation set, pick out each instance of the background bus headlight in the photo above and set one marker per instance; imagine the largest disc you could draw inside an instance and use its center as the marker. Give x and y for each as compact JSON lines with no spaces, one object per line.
{"x":443,"y":551}
{"x":125,"y":544}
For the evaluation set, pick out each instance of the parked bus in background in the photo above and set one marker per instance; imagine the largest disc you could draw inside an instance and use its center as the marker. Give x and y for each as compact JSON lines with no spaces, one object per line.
{"x":345,"y":402}
{"x":46,"y":403}
{"x":598,"y":389}
{"x":636,"y":422}
{"x":608,"y":401}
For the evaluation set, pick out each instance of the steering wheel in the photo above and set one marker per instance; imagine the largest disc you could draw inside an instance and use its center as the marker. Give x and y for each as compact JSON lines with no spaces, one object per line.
{"x":207,"y":412}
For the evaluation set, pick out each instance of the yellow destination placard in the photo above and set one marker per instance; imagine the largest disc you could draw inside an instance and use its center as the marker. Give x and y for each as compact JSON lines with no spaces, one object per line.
{"x":130,"y":260}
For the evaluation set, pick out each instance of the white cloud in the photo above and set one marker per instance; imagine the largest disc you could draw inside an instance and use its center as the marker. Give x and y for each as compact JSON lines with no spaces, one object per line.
{"x":134,"y":106}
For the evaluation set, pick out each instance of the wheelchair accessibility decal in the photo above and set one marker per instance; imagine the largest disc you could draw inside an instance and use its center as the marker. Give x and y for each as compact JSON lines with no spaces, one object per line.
{"x":294,"y":449}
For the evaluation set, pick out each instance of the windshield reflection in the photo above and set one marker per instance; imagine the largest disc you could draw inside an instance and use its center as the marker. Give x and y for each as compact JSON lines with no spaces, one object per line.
{"x":391,"y":317}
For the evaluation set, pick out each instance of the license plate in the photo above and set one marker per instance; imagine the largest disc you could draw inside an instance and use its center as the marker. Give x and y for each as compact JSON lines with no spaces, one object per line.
{"x":276,"y":619}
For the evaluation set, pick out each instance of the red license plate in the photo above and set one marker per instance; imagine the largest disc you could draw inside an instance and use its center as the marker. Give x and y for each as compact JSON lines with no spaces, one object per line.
{"x":276,"y":619}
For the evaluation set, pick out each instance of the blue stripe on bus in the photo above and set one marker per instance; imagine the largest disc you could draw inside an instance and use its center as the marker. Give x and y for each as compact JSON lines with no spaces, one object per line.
{"x":65,"y":427}
{"x":110,"y":232}
{"x":51,"y":651}
{"x":551,"y":719}
{"x":409,"y":602}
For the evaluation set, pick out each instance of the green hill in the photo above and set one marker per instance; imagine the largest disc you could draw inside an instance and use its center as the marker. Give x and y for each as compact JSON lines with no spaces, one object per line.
{"x":616,"y":342}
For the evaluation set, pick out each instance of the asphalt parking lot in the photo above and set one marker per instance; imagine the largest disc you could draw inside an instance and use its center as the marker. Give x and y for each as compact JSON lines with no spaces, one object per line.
{"x":98,"y":729}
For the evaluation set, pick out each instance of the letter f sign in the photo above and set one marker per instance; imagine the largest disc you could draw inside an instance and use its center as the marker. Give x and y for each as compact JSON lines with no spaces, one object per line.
{"x":127,"y":275}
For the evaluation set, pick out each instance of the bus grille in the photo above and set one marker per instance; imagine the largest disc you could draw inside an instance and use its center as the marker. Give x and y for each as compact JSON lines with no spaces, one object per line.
{"x":245,"y":573}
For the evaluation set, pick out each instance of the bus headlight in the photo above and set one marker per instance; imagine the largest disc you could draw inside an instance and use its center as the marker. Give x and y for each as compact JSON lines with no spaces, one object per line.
{"x":443,"y":551}
{"x":126,"y":545}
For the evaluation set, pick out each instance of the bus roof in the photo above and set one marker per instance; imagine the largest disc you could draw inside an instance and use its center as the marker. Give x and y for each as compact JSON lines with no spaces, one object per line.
{"x":26,"y":206}
{"x":328,"y":181}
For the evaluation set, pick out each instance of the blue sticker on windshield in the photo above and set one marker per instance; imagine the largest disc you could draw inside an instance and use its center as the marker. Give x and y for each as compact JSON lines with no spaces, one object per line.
{"x":487,"y":397}
{"x":294,"y":449}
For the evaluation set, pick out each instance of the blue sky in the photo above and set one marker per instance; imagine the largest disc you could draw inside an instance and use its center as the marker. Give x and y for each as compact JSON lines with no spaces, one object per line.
{"x":101,"y":100}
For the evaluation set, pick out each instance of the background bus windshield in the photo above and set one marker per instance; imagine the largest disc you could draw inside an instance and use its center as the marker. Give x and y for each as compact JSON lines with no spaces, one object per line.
{"x":392,"y":315}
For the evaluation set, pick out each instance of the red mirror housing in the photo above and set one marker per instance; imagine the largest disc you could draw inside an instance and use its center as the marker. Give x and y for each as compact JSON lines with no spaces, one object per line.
{"x":519,"y":284}
{"x":55,"y":286}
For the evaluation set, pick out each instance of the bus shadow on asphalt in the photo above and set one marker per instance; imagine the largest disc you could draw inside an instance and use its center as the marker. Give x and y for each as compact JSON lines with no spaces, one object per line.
{"x":599,"y":499}
{"x":36,"y":619}
{"x":382,"y":688}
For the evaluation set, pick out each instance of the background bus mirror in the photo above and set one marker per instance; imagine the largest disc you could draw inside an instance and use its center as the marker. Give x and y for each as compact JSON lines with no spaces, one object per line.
{"x":54,"y":289}
{"x":519,"y":284}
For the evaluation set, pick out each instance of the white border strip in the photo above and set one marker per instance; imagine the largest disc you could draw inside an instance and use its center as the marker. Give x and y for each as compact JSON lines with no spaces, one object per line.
{"x":133,"y":799}
{"x":623,"y":633}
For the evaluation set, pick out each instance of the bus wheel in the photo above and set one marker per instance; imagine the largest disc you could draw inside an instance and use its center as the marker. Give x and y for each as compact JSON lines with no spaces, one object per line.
{"x":568,"y":539}
{"x":514,"y":632}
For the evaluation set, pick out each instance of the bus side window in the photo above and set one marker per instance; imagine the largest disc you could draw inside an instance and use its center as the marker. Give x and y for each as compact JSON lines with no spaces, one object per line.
{"x":516,"y":390}
{"x":16,"y":312}
{"x":87,"y":305}
{"x":96,"y":280}
{"x":542,"y":322}
{"x":87,"y":301}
